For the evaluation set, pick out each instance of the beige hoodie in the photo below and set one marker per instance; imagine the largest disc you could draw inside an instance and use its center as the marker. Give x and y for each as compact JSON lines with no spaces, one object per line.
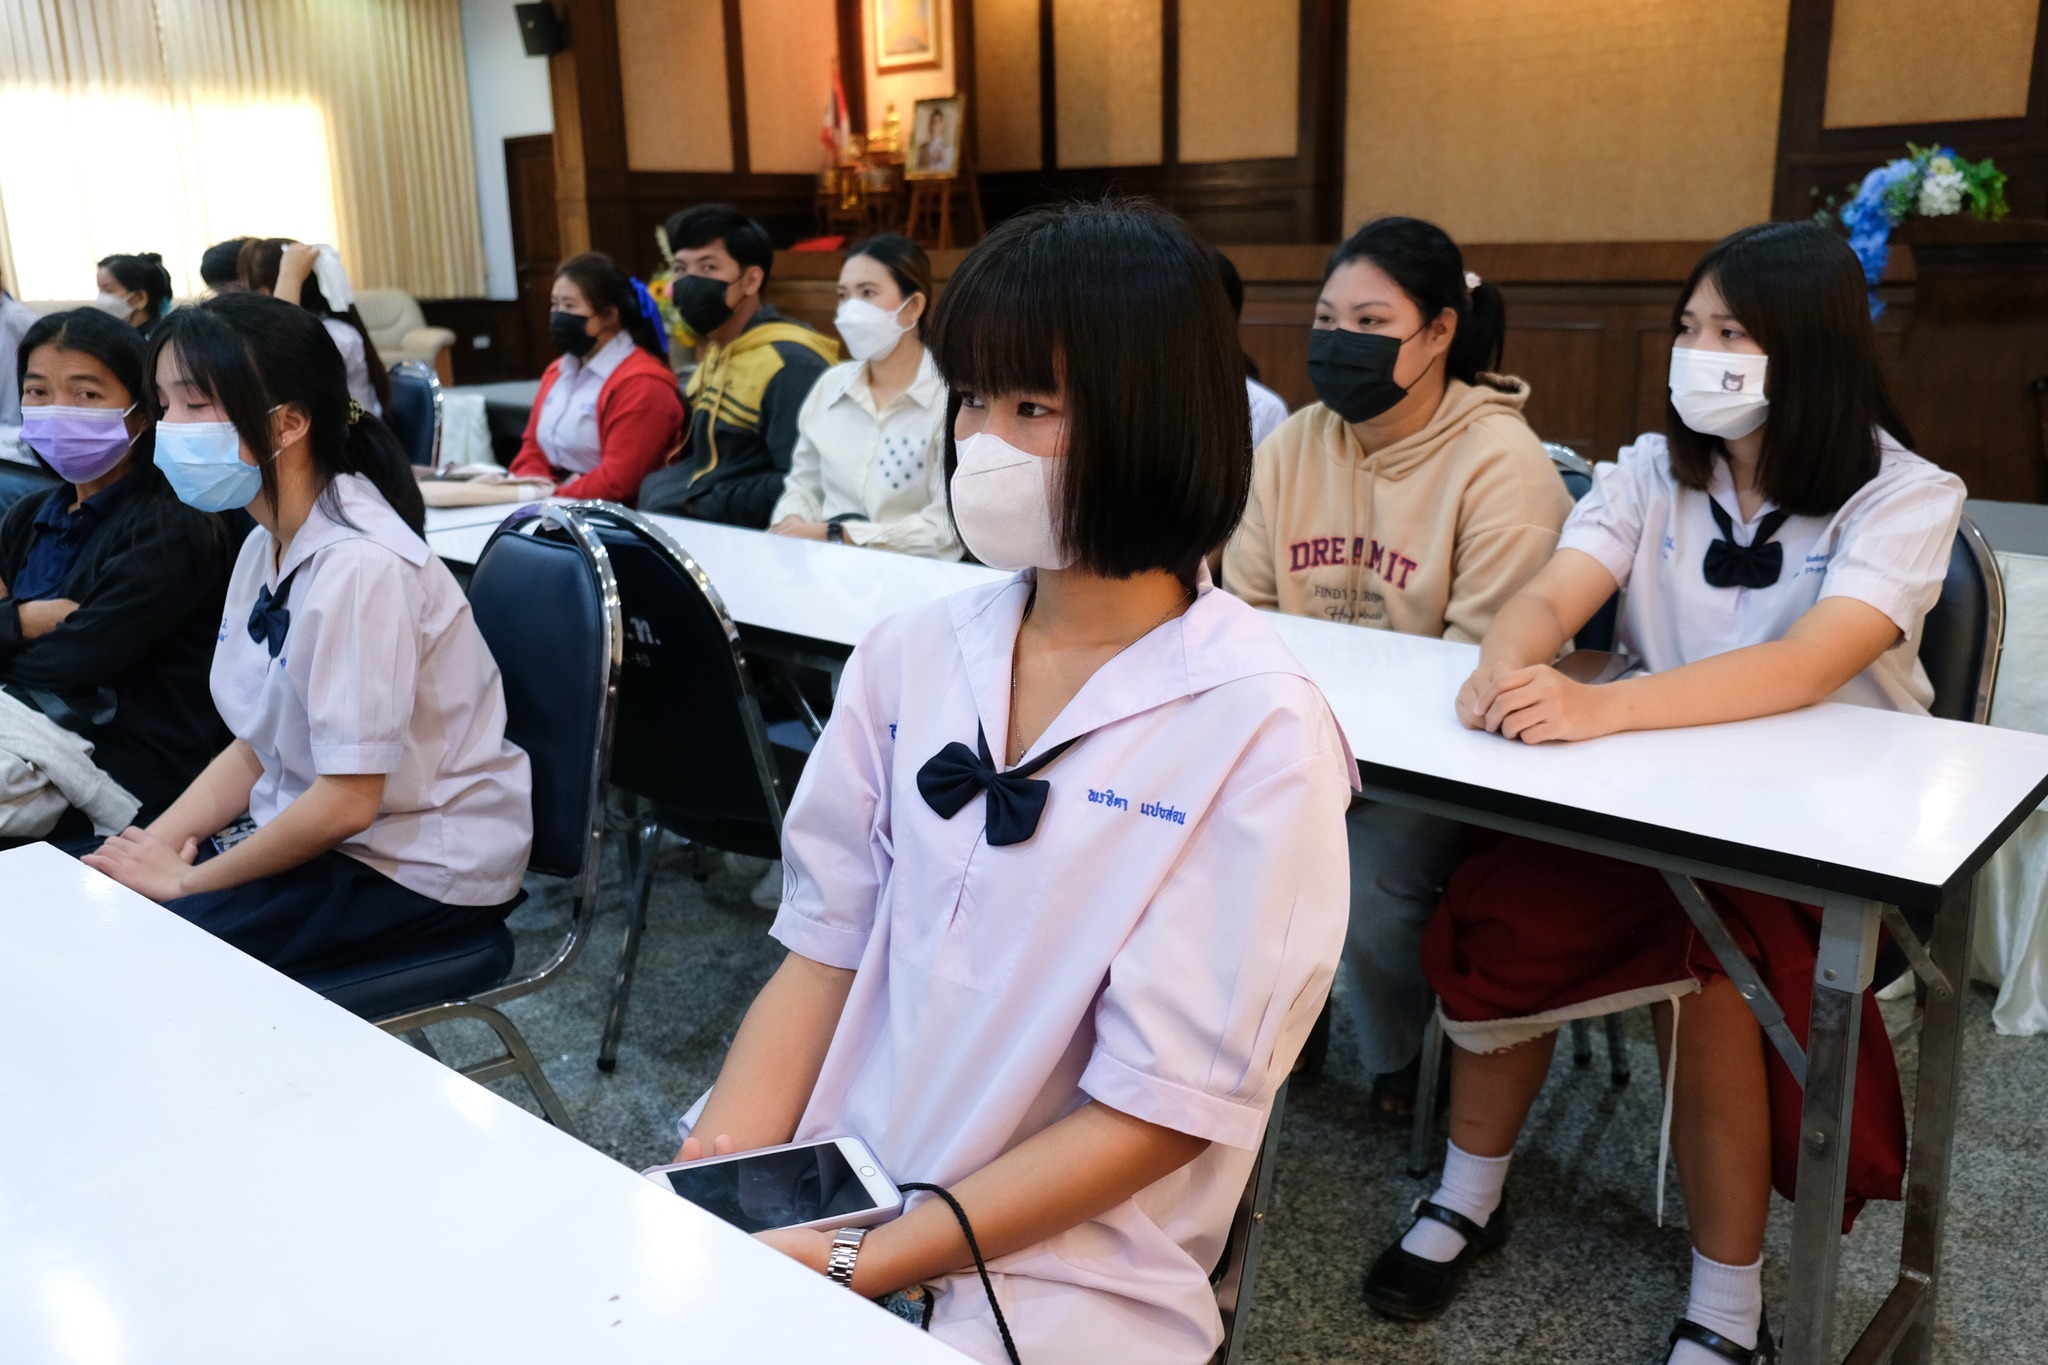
{"x":1430,"y":536}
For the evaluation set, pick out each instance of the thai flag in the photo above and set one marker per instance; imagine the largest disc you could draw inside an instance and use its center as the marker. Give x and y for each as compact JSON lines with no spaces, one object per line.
{"x":835,"y":133}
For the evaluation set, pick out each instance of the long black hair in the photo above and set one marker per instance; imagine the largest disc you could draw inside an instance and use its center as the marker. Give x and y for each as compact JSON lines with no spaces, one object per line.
{"x":1115,"y":305}
{"x":251,"y":353}
{"x":144,"y":271}
{"x":1420,"y":257}
{"x":256,"y":266}
{"x":106,"y":339}
{"x":604,"y":285}
{"x":1799,"y":292}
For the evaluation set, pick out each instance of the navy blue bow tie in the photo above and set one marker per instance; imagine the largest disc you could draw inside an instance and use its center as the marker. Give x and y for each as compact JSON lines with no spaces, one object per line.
{"x":268,"y":619}
{"x":1755,"y":565}
{"x":951,"y":777}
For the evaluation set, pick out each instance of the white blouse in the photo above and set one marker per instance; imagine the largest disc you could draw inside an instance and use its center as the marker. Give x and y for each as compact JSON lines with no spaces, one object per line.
{"x":887,"y":465}
{"x":567,"y":430}
{"x":1161,"y":944}
{"x":1887,"y":546}
{"x":356,"y":360}
{"x":382,"y":671}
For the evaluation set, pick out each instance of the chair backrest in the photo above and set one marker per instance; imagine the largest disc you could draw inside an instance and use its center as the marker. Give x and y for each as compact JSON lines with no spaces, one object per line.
{"x":548,"y":607}
{"x":414,"y":412}
{"x":690,"y":738}
{"x":1965,"y":630}
{"x":1577,"y":474}
{"x":1236,"y":1273}
{"x":18,"y":480}
{"x":389,"y":314}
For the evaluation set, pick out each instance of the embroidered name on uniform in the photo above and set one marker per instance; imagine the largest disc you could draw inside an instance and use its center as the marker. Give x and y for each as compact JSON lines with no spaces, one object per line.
{"x":1107,"y":798}
{"x":1331,"y":552}
{"x":1161,"y":812}
{"x":892,"y":729}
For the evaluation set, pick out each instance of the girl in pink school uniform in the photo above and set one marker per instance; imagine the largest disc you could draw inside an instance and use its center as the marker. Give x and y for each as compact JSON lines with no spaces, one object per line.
{"x":1066,"y":876}
{"x":1779,"y":547}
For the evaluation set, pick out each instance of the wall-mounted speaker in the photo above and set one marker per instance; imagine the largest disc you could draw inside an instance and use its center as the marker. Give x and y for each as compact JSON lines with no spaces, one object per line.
{"x":541,"y":30}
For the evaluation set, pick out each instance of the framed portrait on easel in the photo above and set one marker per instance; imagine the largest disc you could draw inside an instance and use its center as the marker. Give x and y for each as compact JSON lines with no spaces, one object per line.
{"x":907,"y":34}
{"x":933,"y":149}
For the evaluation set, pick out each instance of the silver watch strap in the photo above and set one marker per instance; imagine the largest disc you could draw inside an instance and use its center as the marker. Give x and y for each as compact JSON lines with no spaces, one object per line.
{"x":845,"y":1248}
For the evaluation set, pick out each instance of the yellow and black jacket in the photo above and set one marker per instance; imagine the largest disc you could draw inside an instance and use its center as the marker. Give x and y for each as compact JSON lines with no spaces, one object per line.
{"x":744,"y":399}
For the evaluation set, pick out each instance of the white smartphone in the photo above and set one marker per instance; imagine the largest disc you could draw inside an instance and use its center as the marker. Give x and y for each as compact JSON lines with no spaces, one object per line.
{"x":832,"y":1183}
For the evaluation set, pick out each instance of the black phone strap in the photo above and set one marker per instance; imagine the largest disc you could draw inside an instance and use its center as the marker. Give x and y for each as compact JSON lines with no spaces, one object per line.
{"x":980,"y":1266}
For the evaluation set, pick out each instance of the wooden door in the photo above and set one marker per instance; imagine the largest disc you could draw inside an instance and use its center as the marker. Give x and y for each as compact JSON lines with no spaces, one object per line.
{"x":536,"y":246}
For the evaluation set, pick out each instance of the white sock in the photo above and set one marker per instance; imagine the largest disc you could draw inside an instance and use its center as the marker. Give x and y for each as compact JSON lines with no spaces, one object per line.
{"x":1729,"y":1299}
{"x":1471,"y":1186}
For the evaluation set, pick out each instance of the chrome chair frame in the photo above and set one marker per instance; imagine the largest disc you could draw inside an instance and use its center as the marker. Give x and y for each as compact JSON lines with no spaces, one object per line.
{"x":1567,"y":460}
{"x":420,"y":369}
{"x":1237,"y":1273}
{"x":644,"y":838}
{"x":518,"y":1059}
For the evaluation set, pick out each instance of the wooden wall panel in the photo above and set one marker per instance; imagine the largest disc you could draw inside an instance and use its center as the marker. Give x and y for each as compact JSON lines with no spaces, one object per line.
{"x":1568,"y":121}
{"x":672,"y":81}
{"x":1927,"y":61}
{"x":1240,"y":79}
{"x":1107,"y":55}
{"x":1007,"y":109}
{"x":789,"y":47}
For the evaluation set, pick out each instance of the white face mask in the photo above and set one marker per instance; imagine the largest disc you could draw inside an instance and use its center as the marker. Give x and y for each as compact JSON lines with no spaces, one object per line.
{"x":869,"y":331}
{"x":113,"y":305}
{"x":1002,"y":502}
{"x":1718,"y":393}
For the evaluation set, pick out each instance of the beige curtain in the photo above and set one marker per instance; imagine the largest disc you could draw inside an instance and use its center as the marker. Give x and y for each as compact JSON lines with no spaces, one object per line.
{"x":165,"y":125}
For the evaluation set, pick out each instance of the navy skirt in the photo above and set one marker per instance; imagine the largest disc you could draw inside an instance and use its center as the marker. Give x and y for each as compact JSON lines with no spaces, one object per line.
{"x":330,"y":911}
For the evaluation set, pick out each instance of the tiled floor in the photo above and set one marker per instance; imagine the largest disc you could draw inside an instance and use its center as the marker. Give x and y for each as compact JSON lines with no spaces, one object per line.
{"x":1587,"y":1276}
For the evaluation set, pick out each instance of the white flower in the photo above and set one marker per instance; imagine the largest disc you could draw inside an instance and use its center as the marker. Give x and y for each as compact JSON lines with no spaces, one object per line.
{"x":1941,"y":165}
{"x":1941,"y":193}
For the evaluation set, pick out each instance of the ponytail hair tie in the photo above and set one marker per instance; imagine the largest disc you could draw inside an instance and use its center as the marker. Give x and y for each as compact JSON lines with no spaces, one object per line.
{"x":650,"y":310}
{"x":1472,"y":280}
{"x":355,"y":412}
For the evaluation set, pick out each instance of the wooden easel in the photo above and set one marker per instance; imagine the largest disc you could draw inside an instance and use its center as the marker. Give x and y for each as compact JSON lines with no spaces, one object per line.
{"x":929,"y":221}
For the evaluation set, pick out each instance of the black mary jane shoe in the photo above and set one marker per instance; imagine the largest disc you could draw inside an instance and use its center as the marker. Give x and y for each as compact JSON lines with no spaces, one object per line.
{"x":1765,"y":1352}
{"x":1408,"y":1288}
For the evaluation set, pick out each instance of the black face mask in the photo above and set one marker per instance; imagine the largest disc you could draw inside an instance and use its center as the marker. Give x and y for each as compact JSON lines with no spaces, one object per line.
{"x":1353,"y":372}
{"x":700,"y":302}
{"x":566,"y":330}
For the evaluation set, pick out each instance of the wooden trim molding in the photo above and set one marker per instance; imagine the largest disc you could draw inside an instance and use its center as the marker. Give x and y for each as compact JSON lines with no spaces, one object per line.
{"x":1813,"y":156}
{"x":736,"y":88}
{"x":853,"y":63}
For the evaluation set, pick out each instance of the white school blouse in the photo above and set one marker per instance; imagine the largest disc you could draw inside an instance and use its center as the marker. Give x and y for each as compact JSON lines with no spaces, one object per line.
{"x":1269,"y":410}
{"x":886,"y":464}
{"x":567,"y":430}
{"x":1887,"y":546}
{"x":1162,"y":944}
{"x":355,"y":358}
{"x":382,"y":671}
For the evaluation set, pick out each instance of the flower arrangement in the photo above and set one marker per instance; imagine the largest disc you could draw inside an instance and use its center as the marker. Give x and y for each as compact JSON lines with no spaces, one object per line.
{"x":1933,"y":182}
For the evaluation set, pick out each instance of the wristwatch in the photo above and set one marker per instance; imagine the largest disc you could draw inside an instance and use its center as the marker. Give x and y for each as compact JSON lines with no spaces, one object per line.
{"x":845,"y":1247}
{"x":835,"y":532}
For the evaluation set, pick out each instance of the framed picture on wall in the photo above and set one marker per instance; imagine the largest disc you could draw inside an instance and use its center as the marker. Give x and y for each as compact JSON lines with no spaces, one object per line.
{"x":933,"y":152}
{"x":906,"y":34}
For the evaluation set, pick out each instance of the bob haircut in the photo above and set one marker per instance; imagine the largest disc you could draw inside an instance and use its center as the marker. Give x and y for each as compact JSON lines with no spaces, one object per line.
{"x":251,"y":353}
{"x":1116,"y":307}
{"x":1799,"y":291}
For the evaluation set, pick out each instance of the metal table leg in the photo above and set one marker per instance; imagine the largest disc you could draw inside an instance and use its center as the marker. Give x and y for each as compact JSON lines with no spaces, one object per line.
{"x":1906,"y":1324}
{"x":1848,"y":953}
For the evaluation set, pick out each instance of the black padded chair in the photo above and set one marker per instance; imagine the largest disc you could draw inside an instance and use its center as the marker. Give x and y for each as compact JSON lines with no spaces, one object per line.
{"x":18,"y":480}
{"x":1577,"y":474}
{"x":692,"y":745}
{"x":414,"y":412}
{"x":544,"y":599}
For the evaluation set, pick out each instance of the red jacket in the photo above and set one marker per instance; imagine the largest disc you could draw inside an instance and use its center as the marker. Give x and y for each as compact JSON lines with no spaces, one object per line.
{"x":639,"y":429}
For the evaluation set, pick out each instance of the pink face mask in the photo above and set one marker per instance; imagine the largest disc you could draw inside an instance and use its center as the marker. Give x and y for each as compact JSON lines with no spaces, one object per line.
{"x":79,"y":443}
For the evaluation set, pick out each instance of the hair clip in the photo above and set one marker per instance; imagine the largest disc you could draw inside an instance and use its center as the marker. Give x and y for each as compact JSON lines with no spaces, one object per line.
{"x":1472,"y":280}
{"x":355,"y":412}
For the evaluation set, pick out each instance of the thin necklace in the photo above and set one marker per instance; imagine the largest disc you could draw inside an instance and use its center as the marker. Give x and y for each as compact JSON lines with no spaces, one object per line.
{"x":1015,"y":645}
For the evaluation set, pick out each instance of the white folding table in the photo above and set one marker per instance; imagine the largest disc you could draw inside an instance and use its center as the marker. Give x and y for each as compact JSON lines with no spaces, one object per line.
{"x":1858,"y":811}
{"x":202,"y":1161}
{"x":1861,"y":812}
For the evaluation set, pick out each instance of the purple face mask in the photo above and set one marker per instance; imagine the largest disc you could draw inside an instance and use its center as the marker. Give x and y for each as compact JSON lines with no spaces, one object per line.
{"x":79,"y":443}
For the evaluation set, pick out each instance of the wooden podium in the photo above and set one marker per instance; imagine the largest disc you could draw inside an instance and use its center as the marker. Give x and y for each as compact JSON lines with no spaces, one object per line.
{"x":1973,"y":350}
